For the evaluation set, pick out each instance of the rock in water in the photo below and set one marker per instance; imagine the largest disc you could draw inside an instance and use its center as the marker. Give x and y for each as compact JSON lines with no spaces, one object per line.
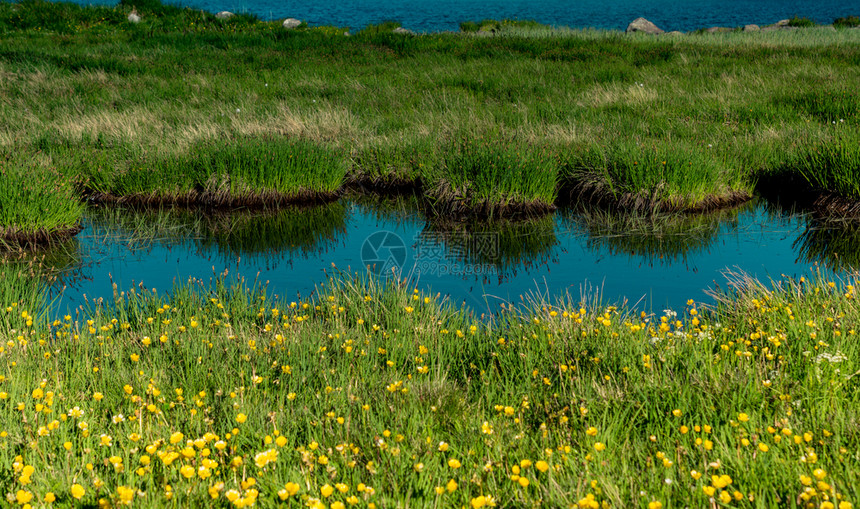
{"x":643,"y":25}
{"x":224,"y":15}
{"x":291,"y":23}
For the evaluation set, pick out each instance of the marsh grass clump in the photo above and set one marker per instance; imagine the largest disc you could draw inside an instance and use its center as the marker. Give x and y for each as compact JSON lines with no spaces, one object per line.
{"x":248,"y":172}
{"x":379,"y":28}
{"x":267,"y":171}
{"x":493,"y":26}
{"x":847,"y":22}
{"x":659,"y":176}
{"x":491,"y":175}
{"x":392,"y":167}
{"x":801,"y":22}
{"x":37,"y":205}
{"x":831,"y":167}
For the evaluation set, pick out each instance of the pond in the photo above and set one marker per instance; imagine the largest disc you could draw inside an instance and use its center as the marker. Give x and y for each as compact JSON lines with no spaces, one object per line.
{"x":645,"y":262}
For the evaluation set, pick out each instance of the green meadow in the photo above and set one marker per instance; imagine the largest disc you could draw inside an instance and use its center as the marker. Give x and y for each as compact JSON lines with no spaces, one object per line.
{"x":376,"y":394}
{"x":185,"y":108}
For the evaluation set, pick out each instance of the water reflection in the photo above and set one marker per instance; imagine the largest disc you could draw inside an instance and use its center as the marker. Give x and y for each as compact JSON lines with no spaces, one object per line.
{"x":484,"y":249}
{"x":307,"y":231}
{"x":665,"y":259}
{"x":294,"y":230}
{"x":834,"y":243}
{"x":492,"y":249}
{"x":653,"y":238}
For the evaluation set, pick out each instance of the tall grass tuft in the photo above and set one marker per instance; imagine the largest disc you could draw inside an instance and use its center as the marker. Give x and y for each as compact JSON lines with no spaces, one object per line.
{"x":833,"y":164}
{"x":493,"y":173}
{"x":284,"y":168}
{"x":36,"y":203}
{"x":661,"y":175}
{"x":24,"y":294}
{"x":241,"y":172}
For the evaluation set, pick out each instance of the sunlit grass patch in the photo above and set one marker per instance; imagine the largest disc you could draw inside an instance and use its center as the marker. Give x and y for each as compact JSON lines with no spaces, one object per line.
{"x":242,"y":172}
{"x":37,"y":204}
{"x":833,"y":164}
{"x":372,"y":390}
{"x":493,"y":175}
{"x":657,"y":175}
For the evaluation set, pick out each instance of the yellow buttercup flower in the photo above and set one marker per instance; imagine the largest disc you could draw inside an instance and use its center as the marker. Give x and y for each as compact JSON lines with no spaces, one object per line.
{"x":77,"y":491}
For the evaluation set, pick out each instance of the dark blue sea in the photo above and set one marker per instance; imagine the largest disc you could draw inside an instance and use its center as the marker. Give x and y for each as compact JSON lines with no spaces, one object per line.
{"x":443,"y":15}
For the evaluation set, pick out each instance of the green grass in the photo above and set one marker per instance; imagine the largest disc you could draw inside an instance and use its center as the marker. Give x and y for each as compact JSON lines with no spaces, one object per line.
{"x":254,"y":171}
{"x":36,"y":202}
{"x":376,"y":385}
{"x":115,"y":106}
{"x":801,"y":22}
{"x":489,"y":173}
{"x":833,"y":164}
{"x":662,"y":175}
{"x":847,"y":22}
{"x":492,"y":25}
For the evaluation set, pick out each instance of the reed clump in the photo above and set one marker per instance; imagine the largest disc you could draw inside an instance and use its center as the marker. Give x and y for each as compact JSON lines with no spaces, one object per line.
{"x":487,"y":176}
{"x":659,"y":176}
{"x":256,"y":172}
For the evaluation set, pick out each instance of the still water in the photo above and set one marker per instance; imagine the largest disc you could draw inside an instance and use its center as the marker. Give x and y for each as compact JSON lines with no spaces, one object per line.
{"x":653,"y":264}
{"x":442,"y":15}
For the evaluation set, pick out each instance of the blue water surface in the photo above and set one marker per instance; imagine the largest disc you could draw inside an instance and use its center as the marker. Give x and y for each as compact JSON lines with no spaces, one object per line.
{"x":561,"y":255}
{"x":443,"y":15}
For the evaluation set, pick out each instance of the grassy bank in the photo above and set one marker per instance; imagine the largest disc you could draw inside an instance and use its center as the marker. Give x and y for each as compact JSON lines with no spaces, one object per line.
{"x":37,"y":203}
{"x":375,"y":395}
{"x":179,"y":106}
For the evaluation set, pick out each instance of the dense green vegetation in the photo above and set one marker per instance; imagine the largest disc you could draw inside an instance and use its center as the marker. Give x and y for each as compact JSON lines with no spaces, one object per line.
{"x":847,"y":22}
{"x":376,"y":395}
{"x":510,"y":121}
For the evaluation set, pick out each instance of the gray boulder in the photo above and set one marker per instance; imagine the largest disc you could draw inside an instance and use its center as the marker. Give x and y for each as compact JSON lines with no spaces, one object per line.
{"x":674,"y":32}
{"x":751,"y":28}
{"x":224,"y":15}
{"x":643,"y":25}
{"x":782,"y":23}
{"x":404,"y":31}
{"x":291,"y":23}
{"x":717,"y":30}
